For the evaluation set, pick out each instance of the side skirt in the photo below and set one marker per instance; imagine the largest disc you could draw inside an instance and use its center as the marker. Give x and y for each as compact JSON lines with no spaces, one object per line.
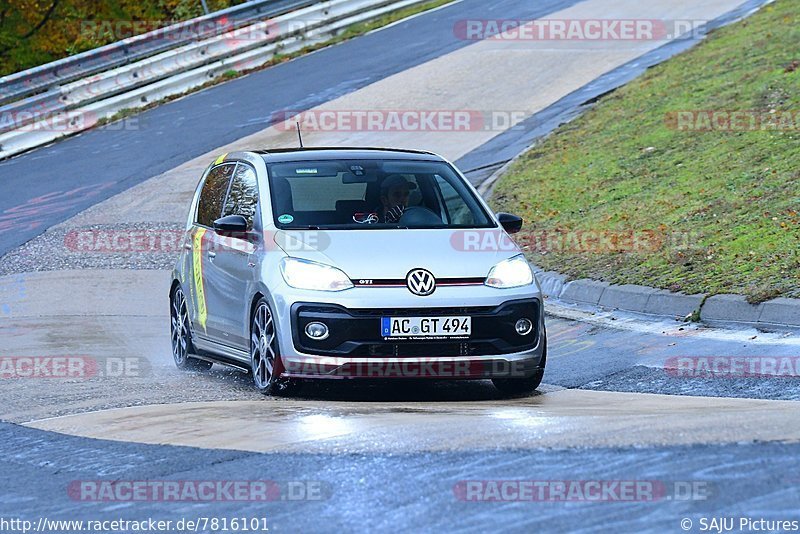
{"x":217,"y":353}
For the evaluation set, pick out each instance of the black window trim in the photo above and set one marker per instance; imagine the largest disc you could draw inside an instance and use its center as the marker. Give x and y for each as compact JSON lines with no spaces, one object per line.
{"x":475,"y":197}
{"x":440,"y":199}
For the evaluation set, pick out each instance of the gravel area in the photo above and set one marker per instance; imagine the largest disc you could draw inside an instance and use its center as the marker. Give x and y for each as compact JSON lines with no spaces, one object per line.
{"x":120,"y":246}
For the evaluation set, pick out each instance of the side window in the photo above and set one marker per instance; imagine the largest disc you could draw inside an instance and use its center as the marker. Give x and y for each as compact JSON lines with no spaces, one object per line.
{"x":209,"y":207}
{"x":458,"y":211}
{"x":243,"y":195}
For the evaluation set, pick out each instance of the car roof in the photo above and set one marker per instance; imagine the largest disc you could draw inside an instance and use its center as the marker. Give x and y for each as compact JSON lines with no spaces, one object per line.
{"x":280,"y":155}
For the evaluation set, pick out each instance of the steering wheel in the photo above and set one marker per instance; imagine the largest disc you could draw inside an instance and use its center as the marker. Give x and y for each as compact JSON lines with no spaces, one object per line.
{"x":419,"y":216}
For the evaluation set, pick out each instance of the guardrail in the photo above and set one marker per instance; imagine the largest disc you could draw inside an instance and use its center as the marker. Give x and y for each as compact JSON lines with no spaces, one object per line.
{"x":80,"y":104}
{"x":38,"y":79}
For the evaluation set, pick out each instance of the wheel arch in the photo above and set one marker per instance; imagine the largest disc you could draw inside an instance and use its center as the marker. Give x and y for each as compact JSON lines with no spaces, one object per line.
{"x":175,"y":284}
{"x":260,"y":293}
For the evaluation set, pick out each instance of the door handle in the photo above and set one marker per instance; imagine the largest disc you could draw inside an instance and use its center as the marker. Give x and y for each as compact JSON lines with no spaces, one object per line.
{"x":187,"y":246}
{"x":212,"y":254}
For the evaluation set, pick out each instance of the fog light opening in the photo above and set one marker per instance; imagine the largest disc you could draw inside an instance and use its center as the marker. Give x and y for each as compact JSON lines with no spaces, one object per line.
{"x":524,"y":327}
{"x":317,"y":331}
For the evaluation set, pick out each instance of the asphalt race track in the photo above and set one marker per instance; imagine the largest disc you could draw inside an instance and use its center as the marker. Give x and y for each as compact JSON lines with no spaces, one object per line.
{"x":375,"y":454}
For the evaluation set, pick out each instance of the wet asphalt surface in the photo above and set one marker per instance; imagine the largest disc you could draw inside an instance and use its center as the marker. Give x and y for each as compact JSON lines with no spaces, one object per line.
{"x":356,"y":493}
{"x":580,"y":356}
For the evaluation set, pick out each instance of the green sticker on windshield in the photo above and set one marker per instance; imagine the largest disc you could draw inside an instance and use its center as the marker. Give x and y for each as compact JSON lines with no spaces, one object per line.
{"x":285,"y":219}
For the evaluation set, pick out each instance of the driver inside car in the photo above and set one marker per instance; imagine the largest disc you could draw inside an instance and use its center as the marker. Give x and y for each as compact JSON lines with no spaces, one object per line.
{"x":395,"y":192}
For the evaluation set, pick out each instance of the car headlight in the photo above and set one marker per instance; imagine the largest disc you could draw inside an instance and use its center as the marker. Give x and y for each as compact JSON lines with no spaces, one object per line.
{"x":304,"y":274}
{"x":513,"y":272}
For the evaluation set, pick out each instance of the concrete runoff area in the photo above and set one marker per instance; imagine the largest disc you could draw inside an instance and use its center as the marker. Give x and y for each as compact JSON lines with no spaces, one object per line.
{"x":560,"y":418}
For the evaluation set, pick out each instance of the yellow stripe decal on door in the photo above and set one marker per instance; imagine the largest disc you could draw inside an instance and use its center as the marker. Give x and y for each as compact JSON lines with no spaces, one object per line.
{"x":197,"y":258}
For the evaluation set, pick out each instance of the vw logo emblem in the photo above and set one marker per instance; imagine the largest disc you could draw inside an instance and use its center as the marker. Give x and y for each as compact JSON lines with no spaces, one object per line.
{"x":421,"y":282}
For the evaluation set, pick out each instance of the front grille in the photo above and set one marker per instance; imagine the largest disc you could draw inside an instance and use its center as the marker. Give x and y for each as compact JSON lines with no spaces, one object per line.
{"x":357,"y":332}
{"x":422,"y":312}
{"x":420,"y":350}
{"x":402,"y":282}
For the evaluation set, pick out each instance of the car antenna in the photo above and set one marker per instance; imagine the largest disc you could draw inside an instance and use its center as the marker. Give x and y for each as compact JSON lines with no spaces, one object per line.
{"x":299,"y":135}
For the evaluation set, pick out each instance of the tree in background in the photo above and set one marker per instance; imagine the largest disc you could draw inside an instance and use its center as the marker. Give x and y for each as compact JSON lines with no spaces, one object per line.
{"x":34,"y":32}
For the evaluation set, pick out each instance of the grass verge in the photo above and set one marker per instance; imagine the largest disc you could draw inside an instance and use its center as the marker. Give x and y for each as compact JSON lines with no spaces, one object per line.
{"x":638,"y":190}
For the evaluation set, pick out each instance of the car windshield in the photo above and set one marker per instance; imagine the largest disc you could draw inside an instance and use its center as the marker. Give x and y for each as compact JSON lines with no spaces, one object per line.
{"x":372,"y":194}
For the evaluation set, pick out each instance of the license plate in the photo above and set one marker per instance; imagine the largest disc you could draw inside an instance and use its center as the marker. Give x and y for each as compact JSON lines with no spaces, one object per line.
{"x":426,"y":327}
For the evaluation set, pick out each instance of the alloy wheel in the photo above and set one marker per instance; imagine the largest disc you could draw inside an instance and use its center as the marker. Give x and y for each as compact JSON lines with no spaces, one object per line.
{"x":263,"y":346}
{"x":179,"y":327}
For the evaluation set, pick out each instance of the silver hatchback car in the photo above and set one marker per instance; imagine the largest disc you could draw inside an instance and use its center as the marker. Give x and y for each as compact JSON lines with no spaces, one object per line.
{"x":353,"y":263}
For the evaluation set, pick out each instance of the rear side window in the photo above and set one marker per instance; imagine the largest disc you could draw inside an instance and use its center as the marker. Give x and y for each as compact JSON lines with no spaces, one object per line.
{"x":209,"y":207}
{"x":243,"y":195}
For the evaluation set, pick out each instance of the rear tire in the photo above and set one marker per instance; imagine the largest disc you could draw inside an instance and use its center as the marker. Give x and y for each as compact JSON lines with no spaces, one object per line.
{"x":181,"y":336}
{"x":264,"y":353}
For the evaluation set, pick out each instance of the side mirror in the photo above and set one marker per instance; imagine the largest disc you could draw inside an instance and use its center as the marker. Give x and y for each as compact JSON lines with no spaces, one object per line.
{"x":510,"y":223}
{"x":232,"y":224}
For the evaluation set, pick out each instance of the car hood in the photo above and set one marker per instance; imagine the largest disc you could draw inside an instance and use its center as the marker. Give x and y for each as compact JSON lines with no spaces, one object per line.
{"x":391,"y":254}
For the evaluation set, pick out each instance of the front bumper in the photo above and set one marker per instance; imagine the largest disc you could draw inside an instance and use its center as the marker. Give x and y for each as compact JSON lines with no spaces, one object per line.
{"x":355,"y":348}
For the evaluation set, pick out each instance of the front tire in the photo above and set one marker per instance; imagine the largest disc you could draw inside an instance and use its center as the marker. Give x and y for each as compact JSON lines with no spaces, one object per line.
{"x":519,"y":386}
{"x":264,"y":353}
{"x":181,"y":336}
{"x":523,"y":386}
